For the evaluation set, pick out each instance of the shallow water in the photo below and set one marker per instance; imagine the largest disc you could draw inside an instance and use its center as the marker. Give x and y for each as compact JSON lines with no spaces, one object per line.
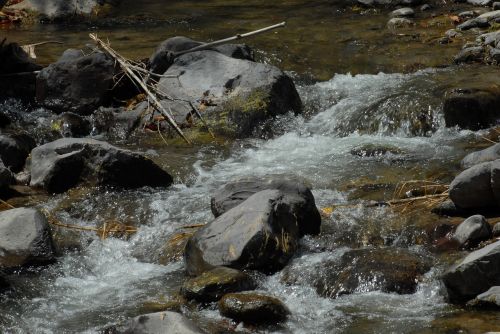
{"x":106,"y":281}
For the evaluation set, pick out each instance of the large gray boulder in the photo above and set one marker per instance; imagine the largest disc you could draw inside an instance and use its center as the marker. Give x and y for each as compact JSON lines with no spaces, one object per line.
{"x":238,"y":95}
{"x":14,"y":149}
{"x":76,"y":82}
{"x":472,"y":231}
{"x":471,"y":108}
{"x":66,"y":162}
{"x":472,"y":188}
{"x":261,"y":233}
{"x":299,"y":197}
{"x":159,"y":323}
{"x":475,"y":274}
{"x":163,"y":56}
{"x":25,"y":238}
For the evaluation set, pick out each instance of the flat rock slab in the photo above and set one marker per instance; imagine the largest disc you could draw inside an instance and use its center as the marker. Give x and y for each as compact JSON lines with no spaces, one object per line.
{"x":66,"y":162}
{"x":25,"y":238}
{"x":475,"y":274}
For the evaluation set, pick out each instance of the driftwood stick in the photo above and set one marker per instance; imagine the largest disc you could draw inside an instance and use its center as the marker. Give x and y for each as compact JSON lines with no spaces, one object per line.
{"x":125,"y":66}
{"x":229,"y":39}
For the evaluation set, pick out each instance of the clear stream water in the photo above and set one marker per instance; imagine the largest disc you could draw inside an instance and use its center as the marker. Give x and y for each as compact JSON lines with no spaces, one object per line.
{"x":106,"y":281}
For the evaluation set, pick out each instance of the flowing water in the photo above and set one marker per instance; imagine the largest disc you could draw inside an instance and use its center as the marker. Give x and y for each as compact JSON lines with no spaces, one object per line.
{"x":102,"y":282}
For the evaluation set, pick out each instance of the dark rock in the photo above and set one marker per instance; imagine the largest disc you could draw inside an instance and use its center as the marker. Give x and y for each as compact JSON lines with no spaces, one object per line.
{"x":425,"y":7}
{"x":261,"y":233}
{"x":472,"y":231}
{"x":6,"y":176}
{"x":472,"y":188}
{"x":448,"y":208}
{"x":117,"y":122}
{"x":490,"y":298}
{"x":496,"y":6}
{"x":491,"y":153}
{"x":72,"y":125}
{"x":163,"y":56}
{"x":475,"y":274}
{"x":158,"y":323}
{"x":239,"y":94}
{"x":4,"y":120}
{"x":399,"y":22}
{"x":402,"y":12}
{"x":472,"y":108}
{"x":15,"y":60}
{"x":76,"y":82}
{"x":211,"y":285}
{"x":470,"y":55}
{"x":253,"y":308}
{"x":496,"y":230}
{"x":298,"y":197}
{"x":14,"y":149}
{"x":363,"y":270}
{"x":25,"y":238}
{"x":66,"y":162}
{"x":63,"y":9}
{"x":4,"y":285}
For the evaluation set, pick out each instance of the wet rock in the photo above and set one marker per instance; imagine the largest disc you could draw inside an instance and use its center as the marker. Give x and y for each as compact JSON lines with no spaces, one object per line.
{"x":72,"y":125}
{"x":472,"y":188}
{"x":6,"y":176}
{"x":163,"y":56}
{"x":25,"y":238}
{"x":253,"y":308}
{"x":4,"y":285}
{"x":490,"y":298}
{"x":496,"y":230}
{"x":363,"y":270}
{"x":475,"y":274}
{"x":4,"y":120}
{"x":211,"y":285}
{"x":158,"y":323}
{"x":117,"y":122}
{"x":470,"y":55}
{"x":66,"y":162}
{"x":14,"y":149}
{"x":480,"y":2}
{"x":472,"y":231}
{"x":402,"y":12}
{"x":76,"y":82}
{"x":261,"y":233}
{"x":471,"y":108}
{"x":298,"y":197}
{"x":62,"y":9}
{"x":491,"y":153}
{"x":372,"y":150}
{"x":482,"y":21}
{"x":496,"y":6}
{"x":399,"y":22}
{"x":238,"y":94}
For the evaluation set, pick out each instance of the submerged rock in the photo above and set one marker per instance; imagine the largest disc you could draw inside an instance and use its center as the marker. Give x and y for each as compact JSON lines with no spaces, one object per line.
{"x":253,"y":308}
{"x":261,"y":233}
{"x":60,"y":9}
{"x":399,"y":22}
{"x":14,"y":149}
{"x":158,"y":323}
{"x":76,"y":82}
{"x":66,"y":162}
{"x":298,"y":196}
{"x":475,"y":274}
{"x":472,"y":108}
{"x":213,"y":284}
{"x":72,"y":125}
{"x":25,"y":238}
{"x":363,"y":270}
{"x":472,"y":231}
{"x":237,"y":95}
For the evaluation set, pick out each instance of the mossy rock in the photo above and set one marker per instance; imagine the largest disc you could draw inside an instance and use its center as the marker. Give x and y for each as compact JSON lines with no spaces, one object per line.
{"x":213,"y":284}
{"x":253,"y":308}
